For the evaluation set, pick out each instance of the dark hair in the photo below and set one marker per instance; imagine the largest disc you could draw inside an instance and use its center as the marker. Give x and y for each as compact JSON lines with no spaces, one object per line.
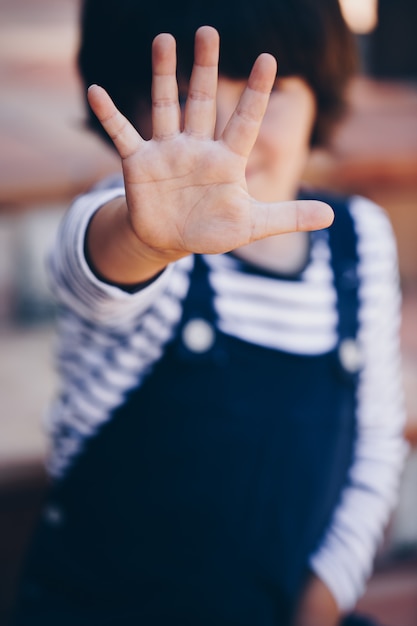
{"x":309,"y":38}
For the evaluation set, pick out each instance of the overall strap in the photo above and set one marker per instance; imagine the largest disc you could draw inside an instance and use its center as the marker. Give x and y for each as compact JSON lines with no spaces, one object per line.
{"x":197,"y":334}
{"x":343,"y":241}
{"x":199,"y":301}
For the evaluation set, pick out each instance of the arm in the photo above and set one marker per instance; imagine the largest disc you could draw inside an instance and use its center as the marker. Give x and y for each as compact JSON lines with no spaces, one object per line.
{"x":345,"y":557}
{"x":186,"y":192}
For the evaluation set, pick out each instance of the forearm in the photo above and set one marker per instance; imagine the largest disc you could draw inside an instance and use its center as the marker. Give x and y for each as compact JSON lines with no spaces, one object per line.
{"x":114,"y":251}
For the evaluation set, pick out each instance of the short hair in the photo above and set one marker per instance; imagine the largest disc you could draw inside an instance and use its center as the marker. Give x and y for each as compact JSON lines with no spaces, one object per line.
{"x":309,"y":39}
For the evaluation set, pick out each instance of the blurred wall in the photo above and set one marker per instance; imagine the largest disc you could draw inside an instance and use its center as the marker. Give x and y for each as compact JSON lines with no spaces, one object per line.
{"x":393,"y":44}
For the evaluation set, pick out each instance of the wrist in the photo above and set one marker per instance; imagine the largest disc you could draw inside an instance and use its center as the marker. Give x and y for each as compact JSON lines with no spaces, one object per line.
{"x":114,"y":251}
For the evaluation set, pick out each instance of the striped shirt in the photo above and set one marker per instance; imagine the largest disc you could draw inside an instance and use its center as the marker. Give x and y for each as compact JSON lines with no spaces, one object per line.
{"x":110,"y":339}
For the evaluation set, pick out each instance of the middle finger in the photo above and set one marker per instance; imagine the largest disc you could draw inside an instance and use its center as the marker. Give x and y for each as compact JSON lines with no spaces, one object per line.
{"x":165,"y":106}
{"x":200,"y":109}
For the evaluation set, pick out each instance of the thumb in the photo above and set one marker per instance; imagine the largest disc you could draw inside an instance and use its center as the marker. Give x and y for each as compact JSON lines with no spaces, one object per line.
{"x":286,"y":217}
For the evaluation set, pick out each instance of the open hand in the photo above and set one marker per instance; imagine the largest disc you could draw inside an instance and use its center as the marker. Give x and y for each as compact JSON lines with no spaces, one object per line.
{"x":186,"y":191}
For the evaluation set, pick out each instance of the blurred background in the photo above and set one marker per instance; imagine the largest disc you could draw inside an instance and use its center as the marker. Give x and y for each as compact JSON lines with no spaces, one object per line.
{"x":47,"y":157}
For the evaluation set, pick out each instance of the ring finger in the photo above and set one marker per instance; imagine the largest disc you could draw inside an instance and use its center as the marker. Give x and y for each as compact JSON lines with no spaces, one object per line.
{"x":200,"y":109}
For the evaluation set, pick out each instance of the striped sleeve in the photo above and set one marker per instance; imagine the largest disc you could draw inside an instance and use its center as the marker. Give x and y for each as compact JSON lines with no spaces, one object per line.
{"x":72,"y":280}
{"x":108,"y":339}
{"x":345,"y":557}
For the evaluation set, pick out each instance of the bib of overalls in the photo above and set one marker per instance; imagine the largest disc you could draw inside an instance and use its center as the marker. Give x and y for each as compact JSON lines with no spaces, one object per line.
{"x":202,"y":498}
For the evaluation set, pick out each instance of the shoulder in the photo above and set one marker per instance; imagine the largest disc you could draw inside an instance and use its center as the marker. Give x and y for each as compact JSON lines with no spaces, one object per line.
{"x":365,"y":213}
{"x":378,"y":269}
{"x":376,"y":238}
{"x":371,"y":224}
{"x":370,"y":219}
{"x":362,"y":233}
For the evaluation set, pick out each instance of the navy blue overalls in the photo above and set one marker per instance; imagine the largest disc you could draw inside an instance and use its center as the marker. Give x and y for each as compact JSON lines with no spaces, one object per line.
{"x":200,"y":501}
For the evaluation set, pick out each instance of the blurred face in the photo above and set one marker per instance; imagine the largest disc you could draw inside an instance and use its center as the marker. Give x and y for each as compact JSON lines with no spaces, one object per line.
{"x":276,"y":163}
{"x":278,"y":158}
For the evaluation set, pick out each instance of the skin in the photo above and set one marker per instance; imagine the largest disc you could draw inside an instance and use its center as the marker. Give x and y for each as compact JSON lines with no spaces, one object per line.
{"x":221,"y":175}
{"x":186,"y":190}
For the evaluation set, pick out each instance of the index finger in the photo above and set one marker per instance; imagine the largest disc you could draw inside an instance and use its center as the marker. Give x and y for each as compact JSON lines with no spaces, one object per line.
{"x":242,"y":129}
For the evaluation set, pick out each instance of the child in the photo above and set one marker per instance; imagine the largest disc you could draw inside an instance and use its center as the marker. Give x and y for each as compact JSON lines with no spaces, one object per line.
{"x":227,"y":441}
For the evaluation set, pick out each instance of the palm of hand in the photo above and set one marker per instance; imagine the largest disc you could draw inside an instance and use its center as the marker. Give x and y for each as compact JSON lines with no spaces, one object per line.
{"x":188,"y":195}
{"x":185,"y":191}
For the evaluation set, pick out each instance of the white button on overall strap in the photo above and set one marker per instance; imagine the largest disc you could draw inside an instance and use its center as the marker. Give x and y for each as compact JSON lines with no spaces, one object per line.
{"x":198,"y":335}
{"x":350,"y":355}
